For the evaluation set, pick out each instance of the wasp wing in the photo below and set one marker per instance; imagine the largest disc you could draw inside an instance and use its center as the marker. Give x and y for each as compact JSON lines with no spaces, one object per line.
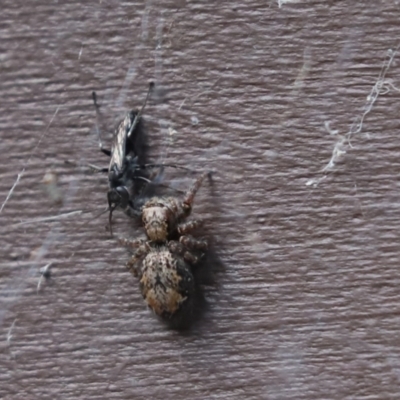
{"x":118,"y":150}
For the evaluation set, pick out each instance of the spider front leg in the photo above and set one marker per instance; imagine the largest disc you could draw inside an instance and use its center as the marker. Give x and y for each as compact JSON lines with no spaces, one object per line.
{"x":142,"y":248}
{"x":186,"y":227}
{"x":131,"y":243}
{"x":191,"y":193}
{"x":194,"y":244}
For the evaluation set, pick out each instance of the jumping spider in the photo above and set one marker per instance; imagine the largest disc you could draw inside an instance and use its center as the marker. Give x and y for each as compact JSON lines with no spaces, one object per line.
{"x":165,"y":272}
{"x":163,"y":217}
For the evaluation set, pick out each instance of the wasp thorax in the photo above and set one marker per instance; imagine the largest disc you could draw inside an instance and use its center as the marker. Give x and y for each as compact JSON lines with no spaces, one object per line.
{"x":155,"y":221}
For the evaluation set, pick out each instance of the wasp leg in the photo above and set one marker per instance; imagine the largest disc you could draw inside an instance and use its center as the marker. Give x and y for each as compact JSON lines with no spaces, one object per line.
{"x":105,"y":151}
{"x":98,"y":117}
{"x":97,"y":169}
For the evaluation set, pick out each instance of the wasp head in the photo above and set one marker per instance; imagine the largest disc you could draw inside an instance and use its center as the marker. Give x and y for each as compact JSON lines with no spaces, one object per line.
{"x":118,"y":197}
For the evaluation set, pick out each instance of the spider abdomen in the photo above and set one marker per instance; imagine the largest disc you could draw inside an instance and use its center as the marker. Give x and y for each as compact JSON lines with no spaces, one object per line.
{"x":166,"y":283}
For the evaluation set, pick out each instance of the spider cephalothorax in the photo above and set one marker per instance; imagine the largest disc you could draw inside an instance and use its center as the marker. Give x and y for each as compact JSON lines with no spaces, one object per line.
{"x":164,"y":216}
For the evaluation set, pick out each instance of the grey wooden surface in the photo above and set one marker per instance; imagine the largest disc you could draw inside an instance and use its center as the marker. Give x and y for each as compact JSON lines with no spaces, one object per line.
{"x":307,"y":304}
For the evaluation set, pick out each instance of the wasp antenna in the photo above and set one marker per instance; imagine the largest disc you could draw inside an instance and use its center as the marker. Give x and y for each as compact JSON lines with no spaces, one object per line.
{"x":139,"y":114}
{"x":94,"y":96}
{"x":110,"y":221}
{"x":145,"y":166}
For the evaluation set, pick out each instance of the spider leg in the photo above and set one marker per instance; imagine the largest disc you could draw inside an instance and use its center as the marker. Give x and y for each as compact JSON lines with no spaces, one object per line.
{"x":179,"y":249}
{"x":191,"y":193}
{"x":141,"y":249}
{"x":194,"y":244}
{"x":132,"y":265}
{"x":186,"y":227}
{"x":131,"y":243}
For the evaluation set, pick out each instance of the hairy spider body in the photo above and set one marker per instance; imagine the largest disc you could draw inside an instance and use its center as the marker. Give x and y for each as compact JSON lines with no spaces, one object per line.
{"x":165,"y":273}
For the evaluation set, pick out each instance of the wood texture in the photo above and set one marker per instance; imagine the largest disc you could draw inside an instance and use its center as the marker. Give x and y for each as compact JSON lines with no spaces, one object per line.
{"x":306,"y":305}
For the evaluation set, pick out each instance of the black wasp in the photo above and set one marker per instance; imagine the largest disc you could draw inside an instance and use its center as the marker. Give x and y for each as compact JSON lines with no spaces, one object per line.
{"x":127,"y":172}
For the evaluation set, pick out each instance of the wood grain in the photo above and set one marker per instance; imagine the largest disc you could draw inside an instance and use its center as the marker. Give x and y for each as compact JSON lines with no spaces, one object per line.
{"x":306,"y":305}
